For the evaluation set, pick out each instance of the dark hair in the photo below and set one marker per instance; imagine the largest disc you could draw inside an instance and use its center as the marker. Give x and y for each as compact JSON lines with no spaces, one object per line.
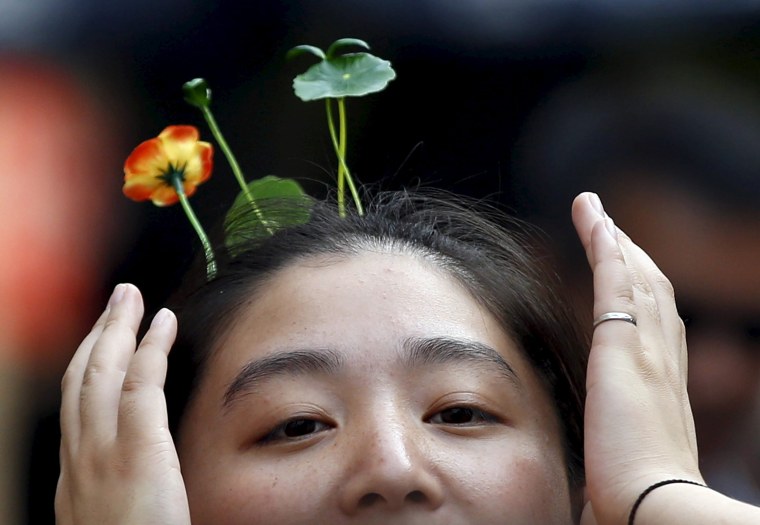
{"x":486,"y":252}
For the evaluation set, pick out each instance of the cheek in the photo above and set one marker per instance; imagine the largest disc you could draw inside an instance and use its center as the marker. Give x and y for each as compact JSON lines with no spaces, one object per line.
{"x":226,"y":485}
{"x":244,"y":493}
{"x":526,"y":483}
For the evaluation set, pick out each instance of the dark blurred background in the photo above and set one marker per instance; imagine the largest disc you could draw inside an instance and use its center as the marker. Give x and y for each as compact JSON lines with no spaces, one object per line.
{"x":653,"y":104}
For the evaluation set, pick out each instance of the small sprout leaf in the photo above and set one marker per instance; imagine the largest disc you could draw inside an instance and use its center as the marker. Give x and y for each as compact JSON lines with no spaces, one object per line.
{"x":305,"y":49}
{"x":345,"y":42}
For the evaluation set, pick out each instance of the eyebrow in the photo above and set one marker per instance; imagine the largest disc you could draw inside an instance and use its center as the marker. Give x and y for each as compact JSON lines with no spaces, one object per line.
{"x":294,"y":362}
{"x":416,"y":353}
{"x":445,"y":350}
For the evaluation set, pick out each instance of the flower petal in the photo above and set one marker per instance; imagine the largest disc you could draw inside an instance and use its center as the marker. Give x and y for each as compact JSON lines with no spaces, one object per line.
{"x":179,"y":144}
{"x":142,"y":187}
{"x":180,"y":134}
{"x":200,"y":164}
{"x":148,"y":158}
{"x":164,"y":196}
{"x":175,"y":148}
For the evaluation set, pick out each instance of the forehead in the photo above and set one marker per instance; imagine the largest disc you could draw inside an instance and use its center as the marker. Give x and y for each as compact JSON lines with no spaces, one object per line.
{"x":364,"y":297}
{"x":366,"y":307}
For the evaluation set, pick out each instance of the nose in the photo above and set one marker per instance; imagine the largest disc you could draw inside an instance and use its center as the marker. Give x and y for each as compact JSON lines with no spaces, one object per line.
{"x":390,"y":467}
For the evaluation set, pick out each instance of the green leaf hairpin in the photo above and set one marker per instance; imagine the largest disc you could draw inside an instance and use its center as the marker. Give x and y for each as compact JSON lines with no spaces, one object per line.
{"x":333,"y":78}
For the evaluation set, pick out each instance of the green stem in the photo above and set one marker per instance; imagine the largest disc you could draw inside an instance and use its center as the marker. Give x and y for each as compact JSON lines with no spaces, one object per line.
{"x":343,"y":133}
{"x":176,"y":178}
{"x":211,"y":121}
{"x":341,"y":161}
{"x":339,"y":144}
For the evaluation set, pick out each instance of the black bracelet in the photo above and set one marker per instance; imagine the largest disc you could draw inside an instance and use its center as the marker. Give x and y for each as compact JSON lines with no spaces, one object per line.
{"x":656,"y":486}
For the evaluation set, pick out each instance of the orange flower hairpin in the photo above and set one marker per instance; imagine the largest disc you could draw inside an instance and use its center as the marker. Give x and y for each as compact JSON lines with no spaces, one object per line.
{"x":167,"y":169}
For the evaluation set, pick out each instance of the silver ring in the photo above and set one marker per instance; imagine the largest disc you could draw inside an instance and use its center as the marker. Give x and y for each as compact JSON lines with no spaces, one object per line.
{"x":615,"y":316}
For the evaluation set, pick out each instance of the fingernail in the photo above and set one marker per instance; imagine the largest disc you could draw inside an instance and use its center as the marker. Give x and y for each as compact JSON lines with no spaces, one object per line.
{"x":611,"y":228}
{"x":160,"y":318}
{"x":118,"y":294}
{"x":596,"y":203}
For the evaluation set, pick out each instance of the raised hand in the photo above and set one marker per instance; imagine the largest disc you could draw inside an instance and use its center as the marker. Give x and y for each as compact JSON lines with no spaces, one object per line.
{"x":638,"y":424}
{"x":118,"y":461}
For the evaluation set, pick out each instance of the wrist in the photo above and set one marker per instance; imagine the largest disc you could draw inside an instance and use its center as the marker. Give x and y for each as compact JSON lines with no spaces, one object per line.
{"x":690,"y":504}
{"x":658,"y":485}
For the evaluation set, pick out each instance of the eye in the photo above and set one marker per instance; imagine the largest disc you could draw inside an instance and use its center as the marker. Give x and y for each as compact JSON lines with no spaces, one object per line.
{"x":295,"y":429}
{"x":462,"y":416}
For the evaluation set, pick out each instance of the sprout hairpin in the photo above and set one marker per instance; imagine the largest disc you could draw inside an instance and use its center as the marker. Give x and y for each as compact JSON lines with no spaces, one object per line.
{"x":168,"y":168}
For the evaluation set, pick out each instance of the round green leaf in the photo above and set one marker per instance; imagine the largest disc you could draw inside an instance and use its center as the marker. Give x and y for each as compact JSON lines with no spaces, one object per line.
{"x":350,"y":75}
{"x":279,"y":203}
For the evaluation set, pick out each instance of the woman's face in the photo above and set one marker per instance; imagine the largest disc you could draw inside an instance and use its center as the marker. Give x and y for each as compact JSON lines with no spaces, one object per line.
{"x":371,"y":389}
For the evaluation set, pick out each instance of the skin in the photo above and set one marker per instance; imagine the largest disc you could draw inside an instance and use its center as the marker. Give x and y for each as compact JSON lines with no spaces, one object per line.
{"x":460,"y":441}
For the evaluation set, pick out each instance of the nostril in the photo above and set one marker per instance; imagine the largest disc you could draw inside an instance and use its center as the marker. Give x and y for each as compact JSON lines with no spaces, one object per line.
{"x":416,"y":497}
{"x":369,"y":499}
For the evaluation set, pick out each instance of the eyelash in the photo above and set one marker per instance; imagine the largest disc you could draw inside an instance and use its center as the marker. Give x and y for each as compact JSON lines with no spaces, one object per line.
{"x":483,"y":417}
{"x":278,"y":433}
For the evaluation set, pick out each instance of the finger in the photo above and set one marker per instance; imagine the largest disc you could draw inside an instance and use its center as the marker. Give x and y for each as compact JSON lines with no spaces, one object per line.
{"x":108,"y":362}
{"x":142,"y":409}
{"x":619,"y":286}
{"x":587,"y":210}
{"x":662,"y":335}
{"x":71,"y":384}
{"x":647,"y":313}
{"x":657,"y":313}
{"x":613,"y":287}
{"x":670,"y":325}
